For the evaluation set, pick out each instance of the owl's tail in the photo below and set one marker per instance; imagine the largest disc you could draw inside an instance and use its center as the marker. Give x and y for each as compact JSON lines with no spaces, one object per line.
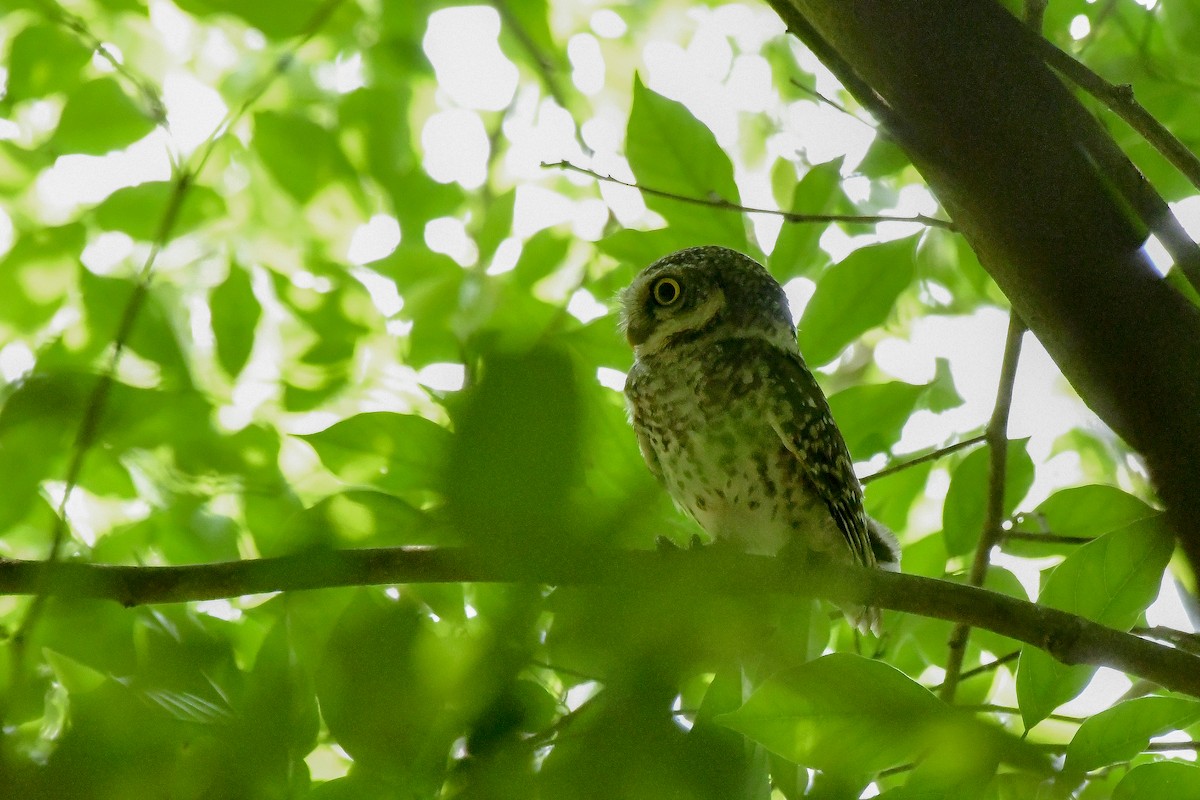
{"x":886,"y":550}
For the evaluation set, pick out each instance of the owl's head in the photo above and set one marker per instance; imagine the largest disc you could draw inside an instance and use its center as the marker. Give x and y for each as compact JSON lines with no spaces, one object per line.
{"x":700,"y":291}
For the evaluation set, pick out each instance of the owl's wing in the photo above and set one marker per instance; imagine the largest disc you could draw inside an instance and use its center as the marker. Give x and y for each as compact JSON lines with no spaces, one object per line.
{"x":800,"y":414}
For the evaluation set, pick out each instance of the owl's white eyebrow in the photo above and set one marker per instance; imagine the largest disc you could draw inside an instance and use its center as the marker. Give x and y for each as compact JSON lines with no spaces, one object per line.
{"x":695,"y":318}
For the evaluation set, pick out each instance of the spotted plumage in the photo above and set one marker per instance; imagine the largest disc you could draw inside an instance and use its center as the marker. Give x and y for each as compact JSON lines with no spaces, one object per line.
{"x":731,"y":420}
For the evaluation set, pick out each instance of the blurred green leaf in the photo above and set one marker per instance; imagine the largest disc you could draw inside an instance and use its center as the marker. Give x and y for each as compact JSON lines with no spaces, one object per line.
{"x":99,"y":117}
{"x":44,"y":59}
{"x":1119,"y":733}
{"x":393,"y":693}
{"x":1110,"y":581}
{"x":152,"y":335}
{"x":883,"y":158}
{"x":853,"y":296}
{"x":276,"y":21}
{"x":37,"y":273}
{"x":966,"y":500}
{"x":235,"y":315}
{"x":854,"y":716}
{"x":515,"y":455}
{"x":139,"y":210}
{"x":301,"y":155}
{"x":361,"y":519}
{"x":397,"y":453}
{"x":1159,"y":780}
{"x":431,"y":285}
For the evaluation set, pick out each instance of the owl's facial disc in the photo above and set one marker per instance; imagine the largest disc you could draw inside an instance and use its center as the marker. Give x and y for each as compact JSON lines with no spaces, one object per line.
{"x":664,"y":304}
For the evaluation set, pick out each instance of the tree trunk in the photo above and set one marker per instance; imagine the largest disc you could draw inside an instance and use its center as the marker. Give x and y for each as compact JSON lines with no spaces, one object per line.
{"x":1010,"y":152}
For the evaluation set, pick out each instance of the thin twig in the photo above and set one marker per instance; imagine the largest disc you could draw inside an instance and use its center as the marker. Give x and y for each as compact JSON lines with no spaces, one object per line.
{"x":1181,"y":639}
{"x":1121,"y":101}
{"x":997,"y":439}
{"x":725,"y":205}
{"x":834,"y":104}
{"x":992,"y":708}
{"x":89,"y":426}
{"x":542,"y":64}
{"x":1115,"y":165}
{"x":933,"y":456}
{"x":150,"y":93}
{"x":982,"y":668}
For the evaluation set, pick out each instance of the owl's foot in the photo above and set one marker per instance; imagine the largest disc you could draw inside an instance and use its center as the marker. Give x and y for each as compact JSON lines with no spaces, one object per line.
{"x":663,"y":544}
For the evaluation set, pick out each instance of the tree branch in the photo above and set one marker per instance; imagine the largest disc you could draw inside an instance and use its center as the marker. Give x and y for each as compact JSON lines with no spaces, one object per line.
{"x":788,"y":216}
{"x":997,"y":440}
{"x":1068,"y":638}
{"x":995,"y":133}
{"x":941,"y":452}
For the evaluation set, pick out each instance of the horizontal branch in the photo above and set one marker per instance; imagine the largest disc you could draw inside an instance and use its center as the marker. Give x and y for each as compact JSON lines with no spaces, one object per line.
{"x":725,"y":205}
{"x":1066,"y":637}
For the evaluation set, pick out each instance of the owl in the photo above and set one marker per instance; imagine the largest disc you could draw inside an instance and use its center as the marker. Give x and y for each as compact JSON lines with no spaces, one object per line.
{"x":730,"y":419}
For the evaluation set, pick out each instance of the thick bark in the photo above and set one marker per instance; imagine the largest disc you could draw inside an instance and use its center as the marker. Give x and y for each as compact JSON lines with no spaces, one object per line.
{"x":1013,"y":155}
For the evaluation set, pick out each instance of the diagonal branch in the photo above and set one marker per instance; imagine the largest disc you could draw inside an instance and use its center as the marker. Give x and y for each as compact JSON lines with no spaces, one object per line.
{"x":1067,"y":637}
{"x":997,"y":440}
{"x":89,"y":425}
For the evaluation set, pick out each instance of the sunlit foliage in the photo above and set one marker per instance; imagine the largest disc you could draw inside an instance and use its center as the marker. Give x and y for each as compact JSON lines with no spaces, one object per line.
{"x":285,"y":277}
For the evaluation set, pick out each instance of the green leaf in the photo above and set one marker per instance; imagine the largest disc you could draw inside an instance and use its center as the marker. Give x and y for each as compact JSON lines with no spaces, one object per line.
{"x":152,"y":335}
{"x":1121,"y":732}
{"x":872,"y":416}
{"x":276,"y":20}
{"x":883,"y":158}
{"x":1162,"y":779}
{"x":853,"y":296}
{"x":359,"y":518}
{"x":37,"y":273}
{"x":44,"y":59}
{"x":942,"y":394}
{"x":852,"y":715}
{"x":99,"y":117}
{"x":672,"y":151}
{"x":235,"y":315}
{"x":516,"y":457}
{"x":797,"y":250}
{"x":432,"y":286}
{"x":397,"y":453}
{"x":139,"y":210}
{"x":391,"y":691}
{"x":542,"y":254}
{"x":1110,"y":581}
{"x":301,"y":155}
{"x":1090,"y":511}
{"x":966,"y":500}
{"x":497,"y":224}
{"x":891,"y":498}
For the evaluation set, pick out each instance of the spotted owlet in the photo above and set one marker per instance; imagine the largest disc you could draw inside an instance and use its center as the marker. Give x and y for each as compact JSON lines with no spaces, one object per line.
{"x":730,"y":419}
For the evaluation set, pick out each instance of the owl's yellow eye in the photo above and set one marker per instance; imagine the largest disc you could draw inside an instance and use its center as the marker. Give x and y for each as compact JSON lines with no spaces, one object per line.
{"x":666,"y":291}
